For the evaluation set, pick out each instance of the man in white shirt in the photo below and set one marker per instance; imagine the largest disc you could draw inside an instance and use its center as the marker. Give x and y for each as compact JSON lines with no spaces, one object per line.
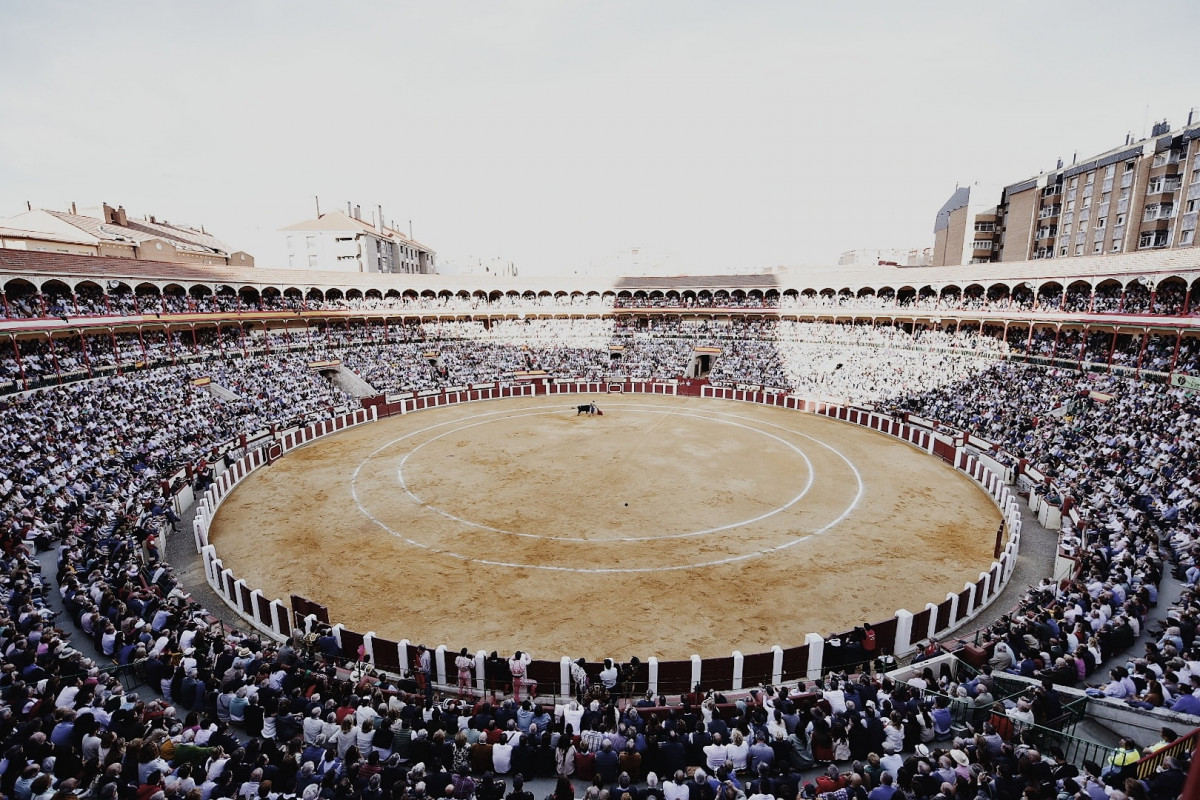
{"x":676,"y":789}
{"x":502,"y":757}
{"x":716,"y":754}
{"x":836,"y":697}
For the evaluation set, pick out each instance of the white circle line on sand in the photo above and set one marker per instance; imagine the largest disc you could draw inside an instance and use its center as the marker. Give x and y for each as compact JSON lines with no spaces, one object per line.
{"x":549,"y":567}
{"x":665,"y":412}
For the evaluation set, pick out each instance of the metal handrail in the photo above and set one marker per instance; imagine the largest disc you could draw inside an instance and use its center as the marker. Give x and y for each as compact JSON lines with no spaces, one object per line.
{"x":1075,"y":749}
{"x":1149,"y":763}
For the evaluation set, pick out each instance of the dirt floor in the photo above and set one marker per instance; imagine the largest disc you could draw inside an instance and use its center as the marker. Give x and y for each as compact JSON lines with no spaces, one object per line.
{"x":666,"y":527}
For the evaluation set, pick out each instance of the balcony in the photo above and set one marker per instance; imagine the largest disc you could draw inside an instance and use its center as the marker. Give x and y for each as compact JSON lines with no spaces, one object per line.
{"x":1155,"y":213}
{"x":1050,"y":211}
{"x":1162,"y":188}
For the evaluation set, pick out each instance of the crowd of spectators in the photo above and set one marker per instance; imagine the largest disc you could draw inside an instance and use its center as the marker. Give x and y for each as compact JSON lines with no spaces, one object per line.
{"x":36,"y":361}
{"x":1127,"y":455}
{"x":851,"y":362}
{"x":88,"y":467}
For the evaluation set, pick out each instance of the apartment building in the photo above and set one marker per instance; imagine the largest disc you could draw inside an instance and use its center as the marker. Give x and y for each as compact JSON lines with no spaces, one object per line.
{"x":1141,"y":195}
{"x":340,"y":241}
{"x":964,"y":230}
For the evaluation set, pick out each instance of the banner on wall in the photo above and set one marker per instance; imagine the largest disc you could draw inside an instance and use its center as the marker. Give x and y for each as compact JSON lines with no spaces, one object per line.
{"x":1190,"y":382}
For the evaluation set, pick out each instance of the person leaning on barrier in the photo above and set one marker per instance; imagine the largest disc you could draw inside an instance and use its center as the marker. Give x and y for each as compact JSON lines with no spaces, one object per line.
{"x":1116,"y":767}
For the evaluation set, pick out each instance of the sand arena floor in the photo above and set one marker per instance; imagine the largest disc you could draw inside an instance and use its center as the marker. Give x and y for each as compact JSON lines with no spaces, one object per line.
{"x":667,"y":526}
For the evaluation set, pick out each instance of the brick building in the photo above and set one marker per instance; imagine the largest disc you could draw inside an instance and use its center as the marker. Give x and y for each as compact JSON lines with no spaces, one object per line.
{"x":1141,"y":195}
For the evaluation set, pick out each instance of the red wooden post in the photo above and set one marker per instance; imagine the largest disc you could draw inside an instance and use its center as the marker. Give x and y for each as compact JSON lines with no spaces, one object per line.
{"x":1175,"y":355}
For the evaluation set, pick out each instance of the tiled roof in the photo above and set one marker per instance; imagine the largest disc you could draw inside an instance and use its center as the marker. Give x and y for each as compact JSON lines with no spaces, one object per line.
{"x":141,"y":231}
{"x":21,"y":233}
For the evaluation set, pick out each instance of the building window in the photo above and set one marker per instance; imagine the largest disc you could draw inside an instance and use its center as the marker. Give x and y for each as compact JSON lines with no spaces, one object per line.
{"x":1167,"y":157}
{"x":1078,"y":250}
{"x":980,"y":227}
{"x":312,"y":261}
{"x":1159,"y":211}
{"x":1187,"y":237}
{"x":1153,"y":239}
{"x":311,"y":242}
{"x":1098,"y":247}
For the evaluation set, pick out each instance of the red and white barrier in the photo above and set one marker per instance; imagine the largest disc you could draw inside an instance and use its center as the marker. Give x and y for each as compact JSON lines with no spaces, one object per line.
{"x":272,"y":617}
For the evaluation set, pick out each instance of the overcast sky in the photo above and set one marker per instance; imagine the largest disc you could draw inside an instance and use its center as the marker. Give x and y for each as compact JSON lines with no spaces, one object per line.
{"x":730,"y":135}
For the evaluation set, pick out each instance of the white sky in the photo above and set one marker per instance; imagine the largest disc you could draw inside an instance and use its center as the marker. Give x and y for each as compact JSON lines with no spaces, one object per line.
{"x":557,"y":134}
